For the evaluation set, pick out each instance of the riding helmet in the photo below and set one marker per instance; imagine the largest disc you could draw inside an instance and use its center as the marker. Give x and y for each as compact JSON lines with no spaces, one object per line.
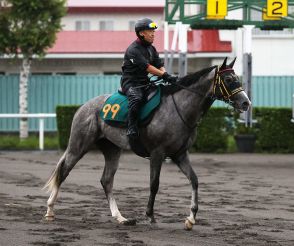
{"x":145,"y":24}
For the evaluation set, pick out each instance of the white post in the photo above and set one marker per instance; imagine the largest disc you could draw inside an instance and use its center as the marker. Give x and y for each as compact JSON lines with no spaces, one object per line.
{"x":183,"y":48}
{"x":175,"y":37}
{"x":41,"y":133}
{"x":247,"y":69}
{"x":173,"y":47}
{"x":41,"y":118}
{"x":247,"y":38}
{"x":166,"y":44}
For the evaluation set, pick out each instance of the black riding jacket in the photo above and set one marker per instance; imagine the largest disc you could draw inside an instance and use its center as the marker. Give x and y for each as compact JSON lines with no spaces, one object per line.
{"x":138,"y":57}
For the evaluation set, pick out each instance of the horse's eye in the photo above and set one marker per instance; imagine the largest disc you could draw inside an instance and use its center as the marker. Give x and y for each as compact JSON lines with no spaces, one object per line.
{"x":228,"y":80}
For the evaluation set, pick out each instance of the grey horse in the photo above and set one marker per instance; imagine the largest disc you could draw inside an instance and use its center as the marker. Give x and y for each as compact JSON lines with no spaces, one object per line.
{"x":170,"y":133}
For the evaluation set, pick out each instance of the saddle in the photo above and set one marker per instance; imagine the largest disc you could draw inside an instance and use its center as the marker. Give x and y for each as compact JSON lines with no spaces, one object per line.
{"x":115,"y":113}
{"x":115,"y":109}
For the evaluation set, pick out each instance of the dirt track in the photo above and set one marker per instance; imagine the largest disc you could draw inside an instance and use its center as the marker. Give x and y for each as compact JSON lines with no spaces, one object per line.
{"x":244,"y":200}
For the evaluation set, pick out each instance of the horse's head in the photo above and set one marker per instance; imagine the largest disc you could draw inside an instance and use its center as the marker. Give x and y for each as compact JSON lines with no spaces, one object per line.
{"x":227,"y":87}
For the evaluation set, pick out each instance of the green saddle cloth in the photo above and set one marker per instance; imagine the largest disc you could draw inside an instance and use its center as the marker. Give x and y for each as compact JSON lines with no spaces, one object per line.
{"x":115,"y":109}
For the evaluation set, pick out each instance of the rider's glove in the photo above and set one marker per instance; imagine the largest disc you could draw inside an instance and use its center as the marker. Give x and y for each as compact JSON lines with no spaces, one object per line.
{"x":169,"y":78}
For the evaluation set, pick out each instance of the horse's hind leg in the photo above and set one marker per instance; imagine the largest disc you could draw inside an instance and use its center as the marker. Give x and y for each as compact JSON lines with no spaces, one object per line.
{"x":83,"y":135}
{"x":64,"y":166}
{"x":183,"y":163}
{"x":53,"y":186}
{"x":111,"y":155}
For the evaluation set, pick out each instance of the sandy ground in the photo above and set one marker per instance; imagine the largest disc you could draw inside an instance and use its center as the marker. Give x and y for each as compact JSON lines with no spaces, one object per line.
{"x":244,"y":200}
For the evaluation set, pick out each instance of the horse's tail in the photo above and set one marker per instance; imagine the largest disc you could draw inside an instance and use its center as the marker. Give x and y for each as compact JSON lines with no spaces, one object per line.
{"x":54,"y":180}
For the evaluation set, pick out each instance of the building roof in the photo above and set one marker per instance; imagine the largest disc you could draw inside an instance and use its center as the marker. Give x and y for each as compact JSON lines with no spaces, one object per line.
{"x":116,"y":42}
{"x":115,"y":6}
{"x":115,"y":3}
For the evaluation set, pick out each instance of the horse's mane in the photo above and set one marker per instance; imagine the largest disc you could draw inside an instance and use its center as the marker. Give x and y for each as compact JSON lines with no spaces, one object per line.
{"x":188,"y":80}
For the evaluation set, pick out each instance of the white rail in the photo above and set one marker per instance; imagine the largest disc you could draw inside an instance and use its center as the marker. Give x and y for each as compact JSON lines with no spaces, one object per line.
{"x":41,"y":118}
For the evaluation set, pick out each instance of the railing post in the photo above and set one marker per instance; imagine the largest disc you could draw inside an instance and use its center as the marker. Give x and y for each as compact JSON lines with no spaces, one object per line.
{"x":41,"y":133}
{"x":41,"y":118}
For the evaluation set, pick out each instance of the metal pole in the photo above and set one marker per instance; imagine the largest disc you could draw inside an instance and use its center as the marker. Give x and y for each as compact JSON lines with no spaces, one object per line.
{"x":247,"y":70}
{"x":166,"y":44}
{"x":173,"y":47}
{"x":183,"y":49}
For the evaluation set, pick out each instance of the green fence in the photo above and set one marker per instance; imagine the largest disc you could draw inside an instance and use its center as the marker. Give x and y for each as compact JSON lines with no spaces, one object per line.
{"x":45,"y":92}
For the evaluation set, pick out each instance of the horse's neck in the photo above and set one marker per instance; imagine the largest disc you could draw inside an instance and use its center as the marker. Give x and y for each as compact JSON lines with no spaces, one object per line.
{"x":193,"y":105}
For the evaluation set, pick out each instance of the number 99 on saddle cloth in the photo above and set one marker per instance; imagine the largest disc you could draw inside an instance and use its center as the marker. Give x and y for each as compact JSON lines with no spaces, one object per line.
{"x":115,"y":109}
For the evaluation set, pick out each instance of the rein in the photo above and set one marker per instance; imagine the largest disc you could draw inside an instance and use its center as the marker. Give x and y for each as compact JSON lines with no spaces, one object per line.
{"x":191,"y":128}
{"x":187,"y":88}
{"x":218,"y":83}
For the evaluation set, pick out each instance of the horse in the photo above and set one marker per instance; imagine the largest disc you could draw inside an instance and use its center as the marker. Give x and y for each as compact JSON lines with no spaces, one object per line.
{"x":170,"y":133}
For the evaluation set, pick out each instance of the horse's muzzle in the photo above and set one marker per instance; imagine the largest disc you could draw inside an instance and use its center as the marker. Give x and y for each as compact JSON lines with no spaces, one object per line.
{"x":241,"y":101}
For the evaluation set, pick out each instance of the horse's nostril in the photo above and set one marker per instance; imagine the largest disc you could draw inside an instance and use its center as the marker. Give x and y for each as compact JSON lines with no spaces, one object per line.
{"x":245,"y":105}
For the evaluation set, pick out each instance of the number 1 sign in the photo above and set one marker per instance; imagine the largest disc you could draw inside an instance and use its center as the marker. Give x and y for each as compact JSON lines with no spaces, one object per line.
{"x":217,"y":9}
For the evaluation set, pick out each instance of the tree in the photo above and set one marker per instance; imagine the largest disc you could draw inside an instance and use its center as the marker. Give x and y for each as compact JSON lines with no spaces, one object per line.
{"x":27,"y":29}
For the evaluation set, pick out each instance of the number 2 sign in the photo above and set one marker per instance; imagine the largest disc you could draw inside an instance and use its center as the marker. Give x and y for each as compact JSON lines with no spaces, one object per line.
{"x":277,"y":8}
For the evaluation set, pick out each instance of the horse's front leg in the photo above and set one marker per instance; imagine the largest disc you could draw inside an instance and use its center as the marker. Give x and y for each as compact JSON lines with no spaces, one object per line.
{"x":111,"y":154}
{"x":183,"y":162}
{"x":155,"y":167}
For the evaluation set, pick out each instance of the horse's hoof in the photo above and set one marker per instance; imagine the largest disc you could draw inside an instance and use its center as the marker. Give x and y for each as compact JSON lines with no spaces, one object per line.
{"x":188,"y":225}
{"x":152,"y":220}
{"x":131,"y":222}
{"x":49,"y":218}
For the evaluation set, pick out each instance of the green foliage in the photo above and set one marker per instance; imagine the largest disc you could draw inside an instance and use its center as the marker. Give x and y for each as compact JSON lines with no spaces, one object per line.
{"x":242,"y":129}
{"x":29,"y":27}
{"x":275,"y":130}
{"x":212,"y":134}
{"x":13,"y":142}
{"x":64,"y":117}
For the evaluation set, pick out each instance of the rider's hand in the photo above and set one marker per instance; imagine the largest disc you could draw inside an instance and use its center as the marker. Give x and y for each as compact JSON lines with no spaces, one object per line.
{"x":169,"y":78}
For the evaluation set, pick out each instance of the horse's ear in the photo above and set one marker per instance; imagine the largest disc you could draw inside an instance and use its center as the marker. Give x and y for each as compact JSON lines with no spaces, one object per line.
{"x":232,"y":63}
{"x":224,"y":65}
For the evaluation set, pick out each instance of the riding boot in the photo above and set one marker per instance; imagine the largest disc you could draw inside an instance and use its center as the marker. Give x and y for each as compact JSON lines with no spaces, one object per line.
{"x":136,"y":99}
{"x":133,"y":131}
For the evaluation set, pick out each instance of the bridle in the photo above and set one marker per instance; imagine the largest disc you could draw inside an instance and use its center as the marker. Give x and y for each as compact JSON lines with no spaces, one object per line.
{"x":220,"y":92}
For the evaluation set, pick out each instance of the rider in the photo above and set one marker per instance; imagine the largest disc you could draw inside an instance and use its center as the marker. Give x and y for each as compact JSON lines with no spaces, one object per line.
{"x":140,"y":59}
